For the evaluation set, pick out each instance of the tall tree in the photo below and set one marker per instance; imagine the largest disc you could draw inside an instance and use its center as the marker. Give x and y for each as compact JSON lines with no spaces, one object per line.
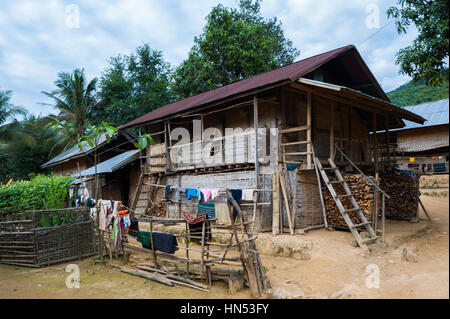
{"x":425,"y":58}
{"x":133,"y":85}
{"x":235,"y":44}
{"x":25,"y":146}
{"x":75,"y":99}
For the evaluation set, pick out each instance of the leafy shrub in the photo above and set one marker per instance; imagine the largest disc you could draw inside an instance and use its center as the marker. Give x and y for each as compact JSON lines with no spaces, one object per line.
{"x":41,"y":192}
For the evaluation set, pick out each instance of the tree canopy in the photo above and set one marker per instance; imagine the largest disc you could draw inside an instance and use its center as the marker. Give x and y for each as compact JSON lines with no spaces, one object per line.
{"x":24,"y":146}
{"x":425,"y":58}
{"x":235,"y":44}
{"x":133,"y":85}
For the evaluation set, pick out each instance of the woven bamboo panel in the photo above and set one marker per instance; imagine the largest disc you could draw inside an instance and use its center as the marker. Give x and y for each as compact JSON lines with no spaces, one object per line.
{"x":308,"y":211}
{"x":26,"y":243}
{"x":158,"y":153}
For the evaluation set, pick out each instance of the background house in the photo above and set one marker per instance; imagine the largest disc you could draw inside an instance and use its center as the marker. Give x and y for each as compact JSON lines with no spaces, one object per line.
{"x":425,"y":148}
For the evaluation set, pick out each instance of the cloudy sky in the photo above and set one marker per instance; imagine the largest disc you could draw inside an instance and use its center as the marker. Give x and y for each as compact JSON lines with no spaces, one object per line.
{"x":38,"y":39}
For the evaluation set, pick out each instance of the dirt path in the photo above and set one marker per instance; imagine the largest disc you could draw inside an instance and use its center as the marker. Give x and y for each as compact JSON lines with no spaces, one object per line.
{"x":336,"y":268}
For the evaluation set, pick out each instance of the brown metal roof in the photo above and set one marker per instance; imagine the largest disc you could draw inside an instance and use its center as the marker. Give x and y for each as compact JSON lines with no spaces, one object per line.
{"x":289,"y":72}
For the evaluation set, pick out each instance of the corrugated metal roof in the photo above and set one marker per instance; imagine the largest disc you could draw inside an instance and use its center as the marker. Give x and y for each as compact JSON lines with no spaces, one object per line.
{"x":434,"y":113}
{"x":283,"y":74}
{"x":111,"y":165}
{"x":73,"y":152}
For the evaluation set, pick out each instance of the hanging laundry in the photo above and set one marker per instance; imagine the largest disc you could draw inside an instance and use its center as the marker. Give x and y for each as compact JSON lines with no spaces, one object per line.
{"x":179,"y":191}
{"x":206,"y":194}
{"x":134,"y":227}
{"x":90,"y":202}
{"x":116,"y":206}
{"x":247,"y":194}
{"x":195,"y":227}
{"x":85,"y":191}
{"x":214,"y":194}
{"x":167,"y":193}
{"x":93,"y":212}
{"x":194,"y":220}
{"x":105,"y":210}
{"x":193,"y":192}
{"x":164,"y":242}
{"x":222,"y":214}
{"x":207,"y":209}
{"x":237,"y":195}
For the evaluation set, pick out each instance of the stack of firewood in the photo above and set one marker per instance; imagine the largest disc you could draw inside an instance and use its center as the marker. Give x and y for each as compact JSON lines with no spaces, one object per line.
{"x":156,"y":210}
{"x":403,"y":189}
{"x":361,"y":189}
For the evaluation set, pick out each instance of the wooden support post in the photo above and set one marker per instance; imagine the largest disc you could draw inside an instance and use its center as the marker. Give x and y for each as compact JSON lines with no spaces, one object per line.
{"x":388,"y":149}
{"x":308,"y":132}
{"x":332,"y":130}
{"x":187,"y":239}
{"x":202,"y":262}
{"x":152,"y":245}
{"x":255,"y":126}
{"x":350,"y":135}
{"x":275,"y":204}
{"x":375,"y":157}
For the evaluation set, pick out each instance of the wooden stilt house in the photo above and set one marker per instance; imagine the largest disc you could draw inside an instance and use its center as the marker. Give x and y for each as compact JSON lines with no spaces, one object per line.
{"x":293,"y":119}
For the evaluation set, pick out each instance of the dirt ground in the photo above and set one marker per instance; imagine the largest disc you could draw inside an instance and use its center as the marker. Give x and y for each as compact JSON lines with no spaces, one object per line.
{"x":335,"y":270}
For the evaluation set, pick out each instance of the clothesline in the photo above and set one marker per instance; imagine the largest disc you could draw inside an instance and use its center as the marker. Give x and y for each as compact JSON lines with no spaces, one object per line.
{"x":219,"y":190}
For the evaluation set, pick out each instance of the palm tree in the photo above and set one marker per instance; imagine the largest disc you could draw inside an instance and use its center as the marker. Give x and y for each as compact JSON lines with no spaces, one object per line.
{"x":75,"y":99}
{"x":7,"y":110}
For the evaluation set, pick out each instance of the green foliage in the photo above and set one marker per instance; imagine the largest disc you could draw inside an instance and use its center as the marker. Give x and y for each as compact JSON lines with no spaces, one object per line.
{"x":41,"y":192}
{"x":24,"y":146}
{"x":143,"y":141}
{"x":74,"y":98}
{"x":133,"y":85}
{"x":235,"y":44}
{"x":425,"y":58}
{"x":415,"y":93}
{"x":94,"y":133}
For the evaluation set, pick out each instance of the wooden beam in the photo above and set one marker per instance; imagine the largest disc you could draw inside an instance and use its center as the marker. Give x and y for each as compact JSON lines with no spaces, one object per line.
{"x":331,"y":131}
{"x":308,"y":132}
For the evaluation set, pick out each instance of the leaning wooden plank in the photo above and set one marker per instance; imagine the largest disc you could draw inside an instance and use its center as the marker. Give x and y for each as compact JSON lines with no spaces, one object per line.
{"x":174,"y":277}
{"x":247,"y":264}
{"x":144,"y":274}
{"x":188,"y":285}
{"x":286,"y":203}
{"x":424,"y":210}
{"x":275,"y":205}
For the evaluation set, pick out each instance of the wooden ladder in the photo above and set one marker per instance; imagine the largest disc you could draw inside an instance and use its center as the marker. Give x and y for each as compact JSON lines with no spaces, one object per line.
{"x":348,"y":194}
{"x":308,"y":152}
